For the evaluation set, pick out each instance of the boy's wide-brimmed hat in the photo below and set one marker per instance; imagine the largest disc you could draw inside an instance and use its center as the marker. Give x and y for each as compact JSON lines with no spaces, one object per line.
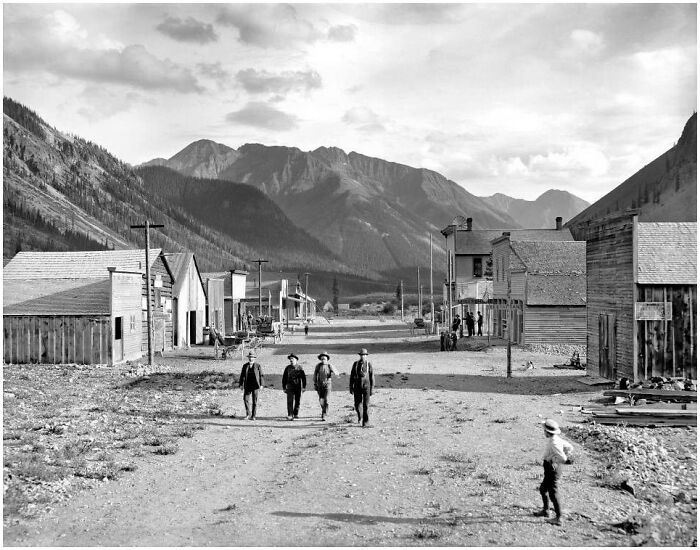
{"x":551,"y":427}
{"x":324,"y":354}
{"x":251,"y":354}
{"x":364,"y":351}
{"x":292,"y":355}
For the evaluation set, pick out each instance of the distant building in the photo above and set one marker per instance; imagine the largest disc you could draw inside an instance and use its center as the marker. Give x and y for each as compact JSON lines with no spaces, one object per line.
{"x":235,"y":281}
{"x":547,"y":291}
{"x":328,"y":307}
{"x":189,"y":299}
{"x":214,"y":315}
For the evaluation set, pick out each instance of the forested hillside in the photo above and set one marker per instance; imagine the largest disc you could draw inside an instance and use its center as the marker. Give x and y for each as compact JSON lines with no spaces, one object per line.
{"x":61,"y":192}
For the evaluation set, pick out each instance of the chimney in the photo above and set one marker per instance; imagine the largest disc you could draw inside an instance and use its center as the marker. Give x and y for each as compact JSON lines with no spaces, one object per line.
{"x":469,"y":224}
{"x":558,"y":222}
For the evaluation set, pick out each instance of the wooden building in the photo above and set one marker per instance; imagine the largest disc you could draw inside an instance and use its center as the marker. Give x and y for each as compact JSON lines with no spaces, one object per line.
{"x":189,"y":299}
{"x":547,"y":290}
{"x":65,"y":270}
{"x":641,"y":297}
{"x":234,"y":297}
{"x":214,"y":314}
{"x":92,"y":320}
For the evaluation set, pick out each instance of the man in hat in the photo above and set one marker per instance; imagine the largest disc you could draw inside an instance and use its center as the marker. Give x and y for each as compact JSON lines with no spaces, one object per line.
{"x":251,"y":380}
{"x":556,"y":453}
{"x":362,"y":385}
{"x":293,"y":383}
{"x":322,"y":382}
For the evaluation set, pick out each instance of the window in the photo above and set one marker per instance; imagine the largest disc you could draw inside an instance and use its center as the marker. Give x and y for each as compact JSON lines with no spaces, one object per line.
{"x":478,"y":270}
{"x":132,"y":324}
{"x":118,"y":328}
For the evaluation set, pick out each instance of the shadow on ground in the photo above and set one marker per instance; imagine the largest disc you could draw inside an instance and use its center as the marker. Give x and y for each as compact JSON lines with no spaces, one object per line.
{"x":372,"y":520}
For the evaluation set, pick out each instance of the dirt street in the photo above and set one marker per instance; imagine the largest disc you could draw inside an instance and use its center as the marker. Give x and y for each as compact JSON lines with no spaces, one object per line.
{"x":452,"y":457}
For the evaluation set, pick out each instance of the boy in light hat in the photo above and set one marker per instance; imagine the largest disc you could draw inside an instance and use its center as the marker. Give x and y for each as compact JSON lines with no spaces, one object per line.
{"x":556,"y":453}
{"x":322,"y":382}
{"x":293,"y":383}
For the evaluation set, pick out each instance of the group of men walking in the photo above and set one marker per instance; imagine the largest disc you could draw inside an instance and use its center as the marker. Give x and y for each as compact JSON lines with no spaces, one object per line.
{"x":294,"y":384}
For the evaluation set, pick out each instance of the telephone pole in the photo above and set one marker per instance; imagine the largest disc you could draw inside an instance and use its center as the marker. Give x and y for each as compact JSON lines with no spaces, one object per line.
{"x":149,"y":321}
{"x":306,"y":297}
{"x":509,"y":326}
{"x":402,"y":300}
{"x":420,"y":305}
{"x":432,"y":304}
{"x":260,"y":262}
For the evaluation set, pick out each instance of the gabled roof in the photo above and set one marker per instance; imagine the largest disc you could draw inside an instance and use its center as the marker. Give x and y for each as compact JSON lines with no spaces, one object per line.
{"x":75,"y":265}
{"x":180,"y":264}
{"x":479,"y":241}
{"x":556,"y":290}
{"x":551,"y":257}
{"x":57,"y":296}
{"x":667,"y":253}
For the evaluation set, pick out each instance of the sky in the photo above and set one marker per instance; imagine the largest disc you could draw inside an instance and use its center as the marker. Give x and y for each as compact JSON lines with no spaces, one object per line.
{"x":500,"y":98}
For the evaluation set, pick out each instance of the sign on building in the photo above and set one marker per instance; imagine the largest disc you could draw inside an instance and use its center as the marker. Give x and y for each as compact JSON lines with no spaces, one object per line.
{"x":652,"y":311}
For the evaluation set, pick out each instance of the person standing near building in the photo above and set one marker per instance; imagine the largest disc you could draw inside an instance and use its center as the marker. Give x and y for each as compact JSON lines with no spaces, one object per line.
{"x":323,"y":382}
{"x":470,"y":324}
{"x":456,"y":323}
{"x":362,"y":386}
{"x":479,"y":323}
{"x":293,"y":383}
{"x":251,"y":380}
{"x":306,"y":328}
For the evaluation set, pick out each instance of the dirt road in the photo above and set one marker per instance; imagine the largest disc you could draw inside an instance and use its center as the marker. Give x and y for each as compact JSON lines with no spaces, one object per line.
{"x":452,"y":457}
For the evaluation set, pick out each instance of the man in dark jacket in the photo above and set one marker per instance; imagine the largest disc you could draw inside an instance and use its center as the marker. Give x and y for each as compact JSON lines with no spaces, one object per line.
{"x":251,"y":380}
{"x":362,"y":386}
{"x":293,"y":382}
{"x":479,"y":323}
{"x":470,"y":324}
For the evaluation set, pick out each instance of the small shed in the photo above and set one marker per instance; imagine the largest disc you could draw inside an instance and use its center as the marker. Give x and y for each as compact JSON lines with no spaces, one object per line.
{"x":328,"y":307}
{"x":86,"y":321}
{"x":214,"y":316}
{"x":189,"y":299}
{"x":234,"y":297}
{"x":547,"y":290}
{"x":642,"y":297}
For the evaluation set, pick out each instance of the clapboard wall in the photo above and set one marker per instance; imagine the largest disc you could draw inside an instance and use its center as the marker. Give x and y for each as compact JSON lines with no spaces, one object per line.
{"x":162,"y":318}
{"x":554,"y":325}
{"x":610,"y":291}
{"x":57,"y":339}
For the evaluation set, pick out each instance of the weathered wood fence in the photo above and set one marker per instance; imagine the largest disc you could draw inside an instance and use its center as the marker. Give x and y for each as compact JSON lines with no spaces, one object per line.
{"x":57,"y":339}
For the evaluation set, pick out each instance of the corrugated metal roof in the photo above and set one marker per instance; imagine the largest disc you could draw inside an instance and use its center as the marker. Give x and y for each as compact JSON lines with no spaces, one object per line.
{"x":75,"y":265}
{"x":556,"y":290}
{"x":56,"y":297}
{"x":478,"y":241}
{"x":667,"y":253}
{"x":552,"y":257}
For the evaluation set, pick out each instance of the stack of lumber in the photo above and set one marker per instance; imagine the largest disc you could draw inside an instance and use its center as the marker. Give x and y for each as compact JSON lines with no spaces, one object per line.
{"x":653,"y":415}
{"x":678,"y":396}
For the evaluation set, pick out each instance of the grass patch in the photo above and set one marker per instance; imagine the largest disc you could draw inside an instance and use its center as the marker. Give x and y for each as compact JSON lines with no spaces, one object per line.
{"x":492,"y":478}
{"x":505,"y":420}
{"x":423,"y":471}
{"x":425,"y":533}
{"x":166,"y":449}
{"x":184,"y":431}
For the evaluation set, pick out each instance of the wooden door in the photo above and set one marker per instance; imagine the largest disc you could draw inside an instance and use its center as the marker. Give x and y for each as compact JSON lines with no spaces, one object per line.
{"x":118,"y":347}
{"x":193,"y":327}
{"x":606,"y":346}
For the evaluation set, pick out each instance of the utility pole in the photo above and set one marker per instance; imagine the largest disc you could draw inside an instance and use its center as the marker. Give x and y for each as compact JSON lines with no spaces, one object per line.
{"x":149,"y":321}
{"x":306,"y":297}
{"x":420,"y":305}
{"x":260,"y":262}
{"x":402,"y":300}
{"x":432,"y":304}
{"x":509,"y":326}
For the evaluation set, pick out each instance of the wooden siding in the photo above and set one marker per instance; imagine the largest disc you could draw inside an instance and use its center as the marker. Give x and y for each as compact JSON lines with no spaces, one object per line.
{"x":57,"y":339}
{"x":517,"y":286}
{"x":501,"y":257}
{"x":668,"y":348}
{"x":191,"y":298}
{"x":554,"y":325}
{"x":162,"y":320}
{"x":610,"y":290}
{"x":126,"y":303}
{"x":215,"y":302}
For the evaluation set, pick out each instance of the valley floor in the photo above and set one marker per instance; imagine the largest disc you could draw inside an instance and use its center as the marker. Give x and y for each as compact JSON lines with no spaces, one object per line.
{"x":452,"y":458}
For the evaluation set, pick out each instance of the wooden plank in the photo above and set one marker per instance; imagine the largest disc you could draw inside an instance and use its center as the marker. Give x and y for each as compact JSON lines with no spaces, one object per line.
{"x":594,"y":381}
{"x":69,"y":329}
{"x":670,"y":394}
{"x":649,"y":422}
{"x":653,"y":411}
{"x":105,"y":342}
{"x":36,"y":340}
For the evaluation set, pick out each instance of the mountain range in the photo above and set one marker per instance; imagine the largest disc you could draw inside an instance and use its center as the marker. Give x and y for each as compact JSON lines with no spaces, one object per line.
{"x":543,"y":211}
{"x":374,"y":214}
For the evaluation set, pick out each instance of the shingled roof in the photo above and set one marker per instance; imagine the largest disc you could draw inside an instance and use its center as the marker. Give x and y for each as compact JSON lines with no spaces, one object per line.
{"x":556,"y":290}
{"x":552,"y":257}
{"x":479,"y":241}
{"x":57,"y":296}
{"x":667,"y":253}
{"x":75,"y":265}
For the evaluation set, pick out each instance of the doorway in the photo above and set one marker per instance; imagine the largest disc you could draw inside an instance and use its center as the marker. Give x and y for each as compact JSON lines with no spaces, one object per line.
{"x":606,"y":346}
{"x":193,"y":327}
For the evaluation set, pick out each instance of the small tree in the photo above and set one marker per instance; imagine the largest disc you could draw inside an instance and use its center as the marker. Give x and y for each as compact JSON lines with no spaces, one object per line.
{"x":336,"y":292}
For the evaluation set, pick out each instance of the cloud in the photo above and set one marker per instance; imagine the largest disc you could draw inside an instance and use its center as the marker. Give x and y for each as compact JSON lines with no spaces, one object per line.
{"x":364,"y":119}
{"x":58,"y":45}
{"x":99,"y":102}
{"x":575,"y":161}
{"x":187,"y":30}
{"x":407,"y":13}
{"x":342,"y":33}
{"x":262,"y":115}
{"x":278,"y":26}
{"x":260,"y":82}
{"x":584,"y":43}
